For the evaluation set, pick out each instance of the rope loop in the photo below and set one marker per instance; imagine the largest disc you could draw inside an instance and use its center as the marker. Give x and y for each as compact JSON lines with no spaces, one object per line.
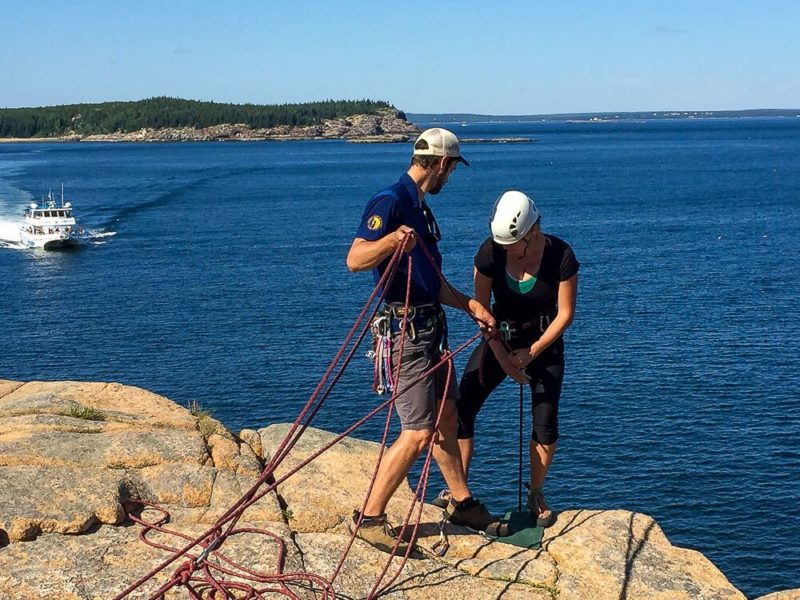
{"x":183,"y":574}
{"x":224,"y":575}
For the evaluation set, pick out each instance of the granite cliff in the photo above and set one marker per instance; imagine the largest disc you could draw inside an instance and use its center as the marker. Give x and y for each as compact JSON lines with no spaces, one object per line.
{"x":386,"y":126}
{"x":72,"y":454}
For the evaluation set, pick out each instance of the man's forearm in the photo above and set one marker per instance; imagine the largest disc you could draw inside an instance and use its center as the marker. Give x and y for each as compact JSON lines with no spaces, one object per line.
{"x":365,"y":255}
{"x":452,"y":297}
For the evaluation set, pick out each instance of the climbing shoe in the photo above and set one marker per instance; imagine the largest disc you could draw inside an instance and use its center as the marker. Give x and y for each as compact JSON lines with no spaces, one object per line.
{"x":473,"y":514}
{"x":377,"y":532}
{"x":545,"y":516}
{"x":443,"y":499}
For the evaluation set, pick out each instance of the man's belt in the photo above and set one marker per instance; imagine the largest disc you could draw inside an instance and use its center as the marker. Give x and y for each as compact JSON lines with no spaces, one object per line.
{"x":415,"y":311}
{"x":421,"y":317}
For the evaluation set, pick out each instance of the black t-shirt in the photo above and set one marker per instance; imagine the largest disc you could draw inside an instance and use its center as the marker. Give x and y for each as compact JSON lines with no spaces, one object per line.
{"x":558,"y":264}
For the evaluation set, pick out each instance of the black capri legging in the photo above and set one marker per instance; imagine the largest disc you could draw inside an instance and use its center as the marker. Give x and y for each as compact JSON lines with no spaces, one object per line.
{"x":546,"y":373}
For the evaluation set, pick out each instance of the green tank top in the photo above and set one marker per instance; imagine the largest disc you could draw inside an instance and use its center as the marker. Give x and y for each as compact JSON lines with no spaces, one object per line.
{"x":520,"y":287}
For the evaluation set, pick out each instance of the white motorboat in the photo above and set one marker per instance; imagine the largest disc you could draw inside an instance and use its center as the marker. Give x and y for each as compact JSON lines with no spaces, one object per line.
{"x":49,"y":226}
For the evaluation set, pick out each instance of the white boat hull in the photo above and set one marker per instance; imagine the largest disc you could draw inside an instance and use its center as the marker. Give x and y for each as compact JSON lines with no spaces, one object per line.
{"x":48,"y":241}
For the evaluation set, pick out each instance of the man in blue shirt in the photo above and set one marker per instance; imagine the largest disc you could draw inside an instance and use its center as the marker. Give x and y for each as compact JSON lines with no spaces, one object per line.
{"x":388,"y":218}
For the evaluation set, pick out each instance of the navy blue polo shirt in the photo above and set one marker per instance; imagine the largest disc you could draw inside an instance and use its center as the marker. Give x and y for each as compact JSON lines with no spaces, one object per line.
{"x":385,"y":212}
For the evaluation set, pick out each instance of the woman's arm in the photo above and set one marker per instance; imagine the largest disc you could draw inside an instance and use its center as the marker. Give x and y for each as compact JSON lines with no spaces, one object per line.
{"x":483,"y":294}
{"x":567,"y":295}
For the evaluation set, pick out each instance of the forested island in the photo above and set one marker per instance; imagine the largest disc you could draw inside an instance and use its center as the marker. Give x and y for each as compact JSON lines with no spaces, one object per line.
{"x":175,"y":119}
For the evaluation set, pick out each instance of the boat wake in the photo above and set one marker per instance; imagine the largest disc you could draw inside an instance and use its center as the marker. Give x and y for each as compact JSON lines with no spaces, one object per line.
{"x":9,"y":233}
{"x":97,"y":237}
{"x":177,"y":193}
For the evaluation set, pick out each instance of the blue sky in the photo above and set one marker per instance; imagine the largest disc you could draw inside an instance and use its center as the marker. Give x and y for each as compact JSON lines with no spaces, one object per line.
{"x":435,"y":56}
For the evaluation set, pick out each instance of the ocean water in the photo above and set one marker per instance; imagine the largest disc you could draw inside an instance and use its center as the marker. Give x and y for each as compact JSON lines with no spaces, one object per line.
{"x":216,"y":274}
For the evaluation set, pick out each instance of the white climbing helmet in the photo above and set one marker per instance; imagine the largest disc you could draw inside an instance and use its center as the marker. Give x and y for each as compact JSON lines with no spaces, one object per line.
{"x":513,"y":216}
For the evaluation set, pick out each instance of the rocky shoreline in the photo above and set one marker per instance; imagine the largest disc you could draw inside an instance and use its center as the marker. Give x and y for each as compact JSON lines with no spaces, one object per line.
{"x":74,"y":455}
{"x":385,"y":126}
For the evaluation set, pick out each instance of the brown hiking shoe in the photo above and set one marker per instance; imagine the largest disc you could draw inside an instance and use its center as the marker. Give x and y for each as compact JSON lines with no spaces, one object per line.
{"x":471,"y":513}
{"x":545,"y":516}
{"x":378,"y":533}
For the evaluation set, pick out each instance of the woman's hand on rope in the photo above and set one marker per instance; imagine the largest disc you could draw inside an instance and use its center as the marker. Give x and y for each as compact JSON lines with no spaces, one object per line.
{"x":512,"y":370}
{"x":522,"y":357}
{"x":505,"y":360}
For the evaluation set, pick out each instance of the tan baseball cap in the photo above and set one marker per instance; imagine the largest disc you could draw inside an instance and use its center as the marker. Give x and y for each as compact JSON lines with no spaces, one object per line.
{"x":438,"y":142}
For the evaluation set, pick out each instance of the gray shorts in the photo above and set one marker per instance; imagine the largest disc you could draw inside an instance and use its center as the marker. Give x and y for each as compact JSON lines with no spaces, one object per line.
{"x":417,"y":405}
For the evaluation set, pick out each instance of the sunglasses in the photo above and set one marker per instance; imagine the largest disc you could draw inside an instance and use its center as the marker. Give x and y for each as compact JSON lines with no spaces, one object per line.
{"x":434,"y":233}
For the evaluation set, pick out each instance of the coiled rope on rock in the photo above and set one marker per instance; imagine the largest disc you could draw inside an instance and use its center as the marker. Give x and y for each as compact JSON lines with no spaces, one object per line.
{"x":206,"y":578}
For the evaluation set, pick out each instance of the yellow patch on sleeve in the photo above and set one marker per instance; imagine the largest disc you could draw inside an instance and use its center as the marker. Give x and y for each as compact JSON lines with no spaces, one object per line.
{"x":374,"y":223}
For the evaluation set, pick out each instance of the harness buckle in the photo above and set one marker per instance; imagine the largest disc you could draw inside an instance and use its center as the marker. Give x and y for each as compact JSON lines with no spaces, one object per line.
{"x":399,"y":312}
{"x":381,"y":325}
{"x":505,"y":331}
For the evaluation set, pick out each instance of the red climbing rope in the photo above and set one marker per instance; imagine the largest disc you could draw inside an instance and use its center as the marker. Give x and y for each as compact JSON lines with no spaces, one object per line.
{"x":207,"y":570}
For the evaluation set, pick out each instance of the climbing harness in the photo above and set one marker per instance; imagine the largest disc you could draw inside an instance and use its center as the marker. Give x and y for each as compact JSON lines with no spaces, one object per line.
{"x":509,"y":328}
{"x":388,"y":323}
{"x":421,"y":317}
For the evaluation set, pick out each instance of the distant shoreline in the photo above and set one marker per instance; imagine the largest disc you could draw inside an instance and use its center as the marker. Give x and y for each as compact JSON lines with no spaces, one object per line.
{"x":605,"y":116}
{"x":365,"y":140}
{"x":29,"y":140}
{"x":402,"y":131}
{"x":387,"y":139}
{"x":383,"y":127}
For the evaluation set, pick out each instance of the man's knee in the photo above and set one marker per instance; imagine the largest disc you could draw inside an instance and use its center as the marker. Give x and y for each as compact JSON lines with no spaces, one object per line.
{"x":417,"y":439}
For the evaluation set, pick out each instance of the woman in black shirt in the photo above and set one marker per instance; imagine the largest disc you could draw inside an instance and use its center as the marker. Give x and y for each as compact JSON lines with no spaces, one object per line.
{"x":534,"y":280}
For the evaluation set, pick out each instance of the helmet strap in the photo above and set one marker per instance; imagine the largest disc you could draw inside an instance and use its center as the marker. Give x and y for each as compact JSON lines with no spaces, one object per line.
{"x":527,"y":241}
